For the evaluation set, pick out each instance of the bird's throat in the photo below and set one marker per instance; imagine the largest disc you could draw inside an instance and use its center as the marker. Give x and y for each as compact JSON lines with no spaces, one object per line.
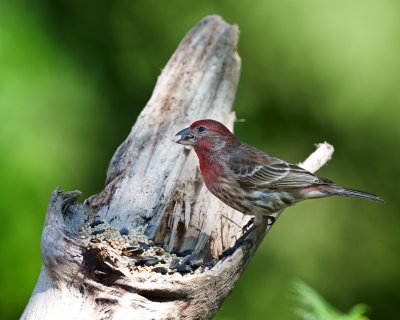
{"x":210,"y":167}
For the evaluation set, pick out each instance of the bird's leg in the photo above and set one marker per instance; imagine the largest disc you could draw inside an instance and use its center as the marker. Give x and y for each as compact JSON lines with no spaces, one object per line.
{"x":243,"y":239}
{"x":247,"y":229}
{"x":247,"y":226}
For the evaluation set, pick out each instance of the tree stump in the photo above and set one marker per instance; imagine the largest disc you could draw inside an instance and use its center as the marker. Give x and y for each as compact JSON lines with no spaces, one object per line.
{"x":154,"y":191}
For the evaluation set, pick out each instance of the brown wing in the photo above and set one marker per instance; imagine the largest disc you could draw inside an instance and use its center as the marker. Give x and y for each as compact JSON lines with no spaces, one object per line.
{"x":261,"y":171}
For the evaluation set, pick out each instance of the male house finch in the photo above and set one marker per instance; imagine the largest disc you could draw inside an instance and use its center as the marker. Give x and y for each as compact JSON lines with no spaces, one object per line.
{"x":250,"y":180}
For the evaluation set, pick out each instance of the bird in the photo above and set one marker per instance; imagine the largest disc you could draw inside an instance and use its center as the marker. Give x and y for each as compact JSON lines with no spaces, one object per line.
{"x":251,"y":181}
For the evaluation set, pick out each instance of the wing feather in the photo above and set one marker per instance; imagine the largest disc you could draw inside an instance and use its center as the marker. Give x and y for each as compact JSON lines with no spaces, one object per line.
{"x":268,"y":172}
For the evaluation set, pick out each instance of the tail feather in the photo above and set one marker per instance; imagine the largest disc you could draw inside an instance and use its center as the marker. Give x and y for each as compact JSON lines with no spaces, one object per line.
{"x":340,"y":191}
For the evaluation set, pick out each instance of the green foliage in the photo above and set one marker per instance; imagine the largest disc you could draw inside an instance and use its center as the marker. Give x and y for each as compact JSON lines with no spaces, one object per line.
{"x":312,"y":306}
{"x":45,"y":140}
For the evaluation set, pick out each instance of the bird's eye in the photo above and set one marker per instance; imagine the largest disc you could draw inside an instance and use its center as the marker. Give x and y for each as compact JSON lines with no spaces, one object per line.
{"x":201,"y":129}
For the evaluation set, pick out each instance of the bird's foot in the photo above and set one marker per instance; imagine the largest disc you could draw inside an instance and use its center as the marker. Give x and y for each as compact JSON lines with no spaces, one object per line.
{"x":227,"y":252}
{"x":270,"y":220}
{"x":248,"y":226}
{"x":239,"y":242}
{"x":244,"y":239}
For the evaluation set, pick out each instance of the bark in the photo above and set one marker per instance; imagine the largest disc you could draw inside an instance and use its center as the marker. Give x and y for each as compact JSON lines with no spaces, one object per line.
{"x":155,"y":185}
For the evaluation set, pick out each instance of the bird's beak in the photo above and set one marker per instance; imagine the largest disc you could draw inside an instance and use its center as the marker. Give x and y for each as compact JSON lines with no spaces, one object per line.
{"x":187,"y":137}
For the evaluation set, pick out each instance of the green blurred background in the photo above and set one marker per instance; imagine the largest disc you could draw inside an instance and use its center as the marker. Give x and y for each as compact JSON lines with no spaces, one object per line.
{"x":74,"y":75}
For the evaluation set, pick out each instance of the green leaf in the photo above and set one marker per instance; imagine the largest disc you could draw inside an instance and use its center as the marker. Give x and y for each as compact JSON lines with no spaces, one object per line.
{"x":312,"y":306}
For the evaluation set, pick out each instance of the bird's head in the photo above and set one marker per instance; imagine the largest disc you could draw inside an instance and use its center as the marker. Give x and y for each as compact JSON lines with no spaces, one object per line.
{"x":206,"y":134}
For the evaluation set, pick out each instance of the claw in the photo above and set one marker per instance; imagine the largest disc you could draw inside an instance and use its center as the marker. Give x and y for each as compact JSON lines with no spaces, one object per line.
{"x":248,"y":225}
{"x":227,"y":252}
{"x":244,"y":239}
{"x":271,"y":220}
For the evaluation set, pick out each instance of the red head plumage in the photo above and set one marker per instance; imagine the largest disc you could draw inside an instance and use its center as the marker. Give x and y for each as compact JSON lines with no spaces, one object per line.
{"x":212,"y":125}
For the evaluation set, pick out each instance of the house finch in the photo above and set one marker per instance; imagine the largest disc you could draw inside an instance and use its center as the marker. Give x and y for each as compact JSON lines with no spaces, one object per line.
{"x":250,"y":180}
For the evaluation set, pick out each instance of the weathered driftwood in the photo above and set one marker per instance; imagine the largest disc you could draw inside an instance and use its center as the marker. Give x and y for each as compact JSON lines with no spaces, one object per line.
{"x":152,"y":181}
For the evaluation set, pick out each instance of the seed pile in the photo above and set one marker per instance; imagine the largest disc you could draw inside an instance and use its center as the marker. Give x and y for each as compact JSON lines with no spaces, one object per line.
{"x":143,"y":254}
